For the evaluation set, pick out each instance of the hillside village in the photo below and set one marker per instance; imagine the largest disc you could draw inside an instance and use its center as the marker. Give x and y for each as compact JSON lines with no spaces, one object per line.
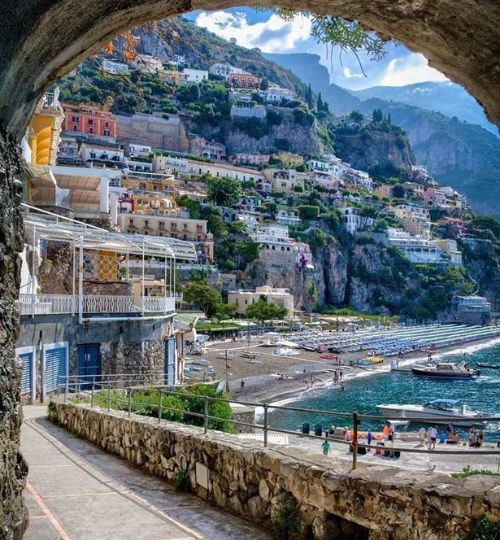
{"x":315,"y":230}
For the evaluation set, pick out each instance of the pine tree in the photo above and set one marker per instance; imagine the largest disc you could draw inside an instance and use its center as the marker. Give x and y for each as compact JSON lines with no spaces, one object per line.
{"x":319,"y":104}
{"x":389,"y":118}
{"x":309,"y":98}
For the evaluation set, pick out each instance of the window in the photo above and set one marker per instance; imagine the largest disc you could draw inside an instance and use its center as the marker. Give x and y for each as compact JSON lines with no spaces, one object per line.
{"x":92,"y":155}
{"x":146,"y":224}
{"x":91,"y":130}
{"x":90,"y":122}
{"x":75,"y":118}
{"x":162,"y":225}
{"x":75,"y":128}
{"x":131,"y":222}
{"x":106,"y":133}
{"x":106,"y":124}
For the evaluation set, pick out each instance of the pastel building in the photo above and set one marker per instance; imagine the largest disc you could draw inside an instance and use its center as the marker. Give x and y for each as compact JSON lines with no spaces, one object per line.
{"x":86,"y":120}
{"x":244,"y":298}
{"x":414,"y":219}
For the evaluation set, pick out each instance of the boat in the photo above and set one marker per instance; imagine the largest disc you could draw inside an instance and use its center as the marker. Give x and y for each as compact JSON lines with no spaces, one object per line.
{"x":445,"y":370}
{"x":488,"y":366}
{"x":438,"y":411}
{"x":374,"y":359}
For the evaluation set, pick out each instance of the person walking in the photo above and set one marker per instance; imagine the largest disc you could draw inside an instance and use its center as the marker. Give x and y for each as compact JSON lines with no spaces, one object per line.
{"x":422,"y":435}
{"x":369,"y":438}
{"x":433,"y":437}
{"x":325,"y":447}
{"x":242,"y":384}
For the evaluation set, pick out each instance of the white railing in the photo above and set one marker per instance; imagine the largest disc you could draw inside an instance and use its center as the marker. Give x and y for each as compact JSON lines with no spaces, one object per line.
{"x":54,"y":304}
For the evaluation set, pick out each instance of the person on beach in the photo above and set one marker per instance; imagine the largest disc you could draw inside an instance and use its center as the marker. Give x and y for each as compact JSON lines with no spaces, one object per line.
{"x":369,"y":438}
{"x":340,"y":374}
{"x":242,"y":384}
{"x":432,"y":437}
{"x":422,"y":435}
{"x":326,"y":447}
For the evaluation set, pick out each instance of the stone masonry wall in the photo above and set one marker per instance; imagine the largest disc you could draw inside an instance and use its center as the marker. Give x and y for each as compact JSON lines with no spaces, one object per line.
{"x":246,"y":479}
{"x":13,"y":469}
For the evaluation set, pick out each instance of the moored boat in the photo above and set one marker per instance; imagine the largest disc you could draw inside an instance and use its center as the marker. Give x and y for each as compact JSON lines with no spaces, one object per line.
{"x":445,"y":370}
{"x":438,"y":411}
{"x":488,"y":366}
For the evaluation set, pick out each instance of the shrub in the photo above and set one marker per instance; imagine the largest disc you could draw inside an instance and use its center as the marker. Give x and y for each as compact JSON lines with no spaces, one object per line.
{"x":182,"y":482}
{"x":286,"y":518}
{"x":308,"y":211}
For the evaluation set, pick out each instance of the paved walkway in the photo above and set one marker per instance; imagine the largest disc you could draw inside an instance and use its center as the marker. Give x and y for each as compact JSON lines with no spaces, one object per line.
{"x":76,"y":492}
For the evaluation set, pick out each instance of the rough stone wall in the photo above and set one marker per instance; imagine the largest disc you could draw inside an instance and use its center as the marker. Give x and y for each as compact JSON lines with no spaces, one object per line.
{"x":13,"y":469}
{"x":380,"y":503}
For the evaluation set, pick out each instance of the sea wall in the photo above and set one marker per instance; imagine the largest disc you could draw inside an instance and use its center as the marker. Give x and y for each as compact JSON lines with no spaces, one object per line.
{"x":246,"y":479}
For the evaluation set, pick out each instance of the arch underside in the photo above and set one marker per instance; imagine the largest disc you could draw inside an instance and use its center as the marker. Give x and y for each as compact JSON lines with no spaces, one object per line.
{"x":461,"y":39}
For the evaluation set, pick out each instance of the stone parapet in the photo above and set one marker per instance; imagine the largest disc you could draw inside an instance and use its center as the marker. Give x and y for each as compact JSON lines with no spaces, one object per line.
{"x":374,"y":502}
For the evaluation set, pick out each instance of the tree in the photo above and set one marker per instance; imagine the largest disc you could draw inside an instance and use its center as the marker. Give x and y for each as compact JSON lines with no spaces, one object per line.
{"x":377,"y":115}
{"x":356,"y":116}
{"x":308,"y":211}
{"x":205,"y":297}
{"x":263,"y":311}
{"x":309,"y":96}
{"x":319,"y":103}
{"x":264,"y":84}
{"x":223,"y":191}
{"x":398,"y":191}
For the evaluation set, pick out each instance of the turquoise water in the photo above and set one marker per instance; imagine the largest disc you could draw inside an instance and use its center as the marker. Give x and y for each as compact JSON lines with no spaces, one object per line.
{"x":364,"y":394}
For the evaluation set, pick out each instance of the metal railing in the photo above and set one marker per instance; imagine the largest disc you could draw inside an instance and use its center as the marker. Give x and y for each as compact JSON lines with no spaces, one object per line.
{"x":118,"y":389}
{"x":53,"y":304}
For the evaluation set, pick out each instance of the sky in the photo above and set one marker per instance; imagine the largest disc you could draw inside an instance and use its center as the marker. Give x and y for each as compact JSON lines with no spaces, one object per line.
{"x":270,"y":33}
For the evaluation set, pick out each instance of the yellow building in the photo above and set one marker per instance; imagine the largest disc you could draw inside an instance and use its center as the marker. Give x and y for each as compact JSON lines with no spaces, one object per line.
{"x":243,"y":298}
{"x":172,"y":226}
{"x":157,"y":183}
{"x":44,"y":130}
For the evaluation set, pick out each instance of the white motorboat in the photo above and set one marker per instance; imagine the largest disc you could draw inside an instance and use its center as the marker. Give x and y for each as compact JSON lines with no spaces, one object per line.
{"x":438,"y":411}
{"x":445,"y":370}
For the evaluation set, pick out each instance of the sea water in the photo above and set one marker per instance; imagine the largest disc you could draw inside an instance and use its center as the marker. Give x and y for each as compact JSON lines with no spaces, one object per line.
{"x":364,"y":394}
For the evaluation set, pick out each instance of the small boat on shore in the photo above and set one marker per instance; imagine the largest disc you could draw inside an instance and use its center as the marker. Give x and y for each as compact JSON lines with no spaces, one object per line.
{"x":488,"y":366}
{"x":445,"y":370}
{"x":438,"y":411}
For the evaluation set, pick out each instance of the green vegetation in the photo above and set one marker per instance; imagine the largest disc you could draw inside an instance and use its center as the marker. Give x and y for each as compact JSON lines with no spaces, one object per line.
{"x":175,"y":408}
{"x":468,"y":471}
{"x":263,"y":311}
{"x":223,"y":191}
{"x":286,"y":519}
{"x":484,"y":529}
{"x":207,"y":299}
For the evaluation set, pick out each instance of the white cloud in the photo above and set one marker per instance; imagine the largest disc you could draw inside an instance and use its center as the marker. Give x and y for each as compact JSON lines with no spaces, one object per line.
{"x":408,"y":70}
{"x":350,"y":74}
{"x":274,"y":35}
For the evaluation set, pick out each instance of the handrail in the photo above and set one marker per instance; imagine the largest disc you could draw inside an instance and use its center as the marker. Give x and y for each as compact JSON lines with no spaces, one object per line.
{"x":74,"y":383}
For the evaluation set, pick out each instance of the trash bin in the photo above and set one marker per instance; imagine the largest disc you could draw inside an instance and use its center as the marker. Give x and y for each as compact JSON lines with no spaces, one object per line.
{"x":305,"y":428}
{"x":318,"y":430}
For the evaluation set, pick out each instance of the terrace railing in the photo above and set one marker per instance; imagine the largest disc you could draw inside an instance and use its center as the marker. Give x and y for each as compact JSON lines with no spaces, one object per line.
{"x":116,"y":392}
{"x":55,"y":304}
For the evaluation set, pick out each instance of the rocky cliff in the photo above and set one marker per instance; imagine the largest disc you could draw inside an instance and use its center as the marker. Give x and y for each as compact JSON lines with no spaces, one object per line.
{"x":13,"y":468}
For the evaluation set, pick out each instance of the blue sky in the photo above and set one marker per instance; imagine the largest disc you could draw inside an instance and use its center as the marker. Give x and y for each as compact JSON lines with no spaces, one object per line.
{"x":264,"y":29}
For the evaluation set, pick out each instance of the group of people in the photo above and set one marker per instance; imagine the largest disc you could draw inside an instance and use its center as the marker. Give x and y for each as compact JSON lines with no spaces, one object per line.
{"x":428,"y":437}
{"x":476,"y":437}
{"x":337,"y":376}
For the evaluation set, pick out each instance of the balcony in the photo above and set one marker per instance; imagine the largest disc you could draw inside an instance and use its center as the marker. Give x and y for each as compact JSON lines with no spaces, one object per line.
{"x":58,"y":304}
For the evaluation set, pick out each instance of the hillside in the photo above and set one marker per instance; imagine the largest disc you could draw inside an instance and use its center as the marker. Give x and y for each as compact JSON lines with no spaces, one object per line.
{"x":457,"y":153}
{"x":444,"y":97}
{"x":308,"y":68}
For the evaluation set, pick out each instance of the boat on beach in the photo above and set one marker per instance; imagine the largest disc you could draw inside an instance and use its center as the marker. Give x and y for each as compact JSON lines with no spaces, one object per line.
{"x":438,"y":411}
{"x":445,"y":370}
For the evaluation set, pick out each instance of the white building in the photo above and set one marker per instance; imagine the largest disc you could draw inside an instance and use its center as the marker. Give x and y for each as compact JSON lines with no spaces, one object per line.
{"x":353,"y":221}
{"x":242,"y":298}
{"x":195,"y":75}
{"x":139,"y":150}
{"x":224,"y":70}
{"x":104,"y":155}
{"x":145,"y":63}
{"x":114,"y":68}
{"x":423,"y":251}
{"x":415,"y":219}
{"x":275,"y":94}
{"x":317,"y":165}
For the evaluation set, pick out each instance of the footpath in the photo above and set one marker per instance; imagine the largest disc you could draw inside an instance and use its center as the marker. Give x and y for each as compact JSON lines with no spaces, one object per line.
{"x":76,"y":491}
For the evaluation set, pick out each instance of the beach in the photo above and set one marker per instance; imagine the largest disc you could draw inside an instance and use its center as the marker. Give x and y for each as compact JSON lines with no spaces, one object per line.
{"x":304,"y":372}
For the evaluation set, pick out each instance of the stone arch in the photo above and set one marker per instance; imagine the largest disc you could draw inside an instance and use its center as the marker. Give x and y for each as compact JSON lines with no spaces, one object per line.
{"x":46,"y":39}
{"x":41,"y":40}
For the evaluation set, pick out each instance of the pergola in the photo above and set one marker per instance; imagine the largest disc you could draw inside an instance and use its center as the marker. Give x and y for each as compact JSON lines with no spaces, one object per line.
{"x":44,"y":225}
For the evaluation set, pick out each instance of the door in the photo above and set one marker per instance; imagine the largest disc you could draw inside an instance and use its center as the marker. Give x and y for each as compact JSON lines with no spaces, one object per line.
{"x":26,"y":356}
{"x":55,"y":366}
{"x":170,"y":361}
{"x":89,"y":363}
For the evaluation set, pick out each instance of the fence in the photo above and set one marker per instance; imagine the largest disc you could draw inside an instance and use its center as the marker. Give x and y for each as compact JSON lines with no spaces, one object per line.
{"x":85,"y":388}
{"x":51,"y":304}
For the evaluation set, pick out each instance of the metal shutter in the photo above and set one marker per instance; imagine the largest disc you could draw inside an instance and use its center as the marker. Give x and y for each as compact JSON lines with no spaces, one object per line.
{"x":26,"y":380}
{"x":170,"y":361}
{"x":55,"y":368}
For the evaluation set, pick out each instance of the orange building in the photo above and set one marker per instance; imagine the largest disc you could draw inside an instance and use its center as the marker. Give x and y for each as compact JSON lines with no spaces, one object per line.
{"x":88,"y":121}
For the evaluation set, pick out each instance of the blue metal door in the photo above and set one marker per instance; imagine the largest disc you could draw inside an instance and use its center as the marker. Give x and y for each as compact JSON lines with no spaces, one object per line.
{"x":27,"y":376}
{"x":89,"y":362}
{"x":55,"y":368}
{"x":170,"y":361}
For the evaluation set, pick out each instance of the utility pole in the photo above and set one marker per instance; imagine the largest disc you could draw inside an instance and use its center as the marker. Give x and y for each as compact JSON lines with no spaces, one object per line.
{"x":227,"y":375}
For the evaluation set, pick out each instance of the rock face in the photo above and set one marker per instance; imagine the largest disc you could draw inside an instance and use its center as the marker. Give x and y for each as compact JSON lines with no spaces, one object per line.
{"x":13,"y":469}
{"x":257,"y":483}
